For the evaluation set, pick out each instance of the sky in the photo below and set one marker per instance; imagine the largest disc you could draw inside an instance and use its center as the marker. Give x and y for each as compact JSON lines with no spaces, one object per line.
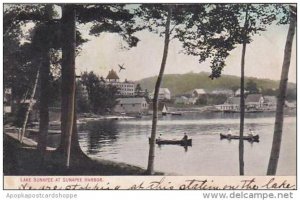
{"x":264,"y":56}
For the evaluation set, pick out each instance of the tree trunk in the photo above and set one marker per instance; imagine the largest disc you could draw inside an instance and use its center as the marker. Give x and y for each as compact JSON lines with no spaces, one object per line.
{"x":44,"y":104}
{"x":29,"y":106}
{"x":44,"y":89}
{"x":272,"y":167}
{"x":242,"y":98}
{"x":68,"y":80}
{"x":75,"y":150}
{"x":77,"y":154}
{"x":242,"y":113}
{"x":75,"y":147}
{"x":150,"y":168}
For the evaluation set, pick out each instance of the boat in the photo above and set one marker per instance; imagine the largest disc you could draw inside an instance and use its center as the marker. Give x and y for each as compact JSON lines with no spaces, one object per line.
{"x":181,"y":142}
{"x":164,"y":111}
{"x":176,"y":113}
{"x":250,"y":138}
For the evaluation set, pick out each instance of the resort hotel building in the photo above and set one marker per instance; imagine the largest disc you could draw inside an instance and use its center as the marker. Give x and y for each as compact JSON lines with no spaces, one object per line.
{"x":126,"y":88}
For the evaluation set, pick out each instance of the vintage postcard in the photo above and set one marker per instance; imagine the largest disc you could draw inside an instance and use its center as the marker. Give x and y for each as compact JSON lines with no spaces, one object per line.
{"x":156,"y":96}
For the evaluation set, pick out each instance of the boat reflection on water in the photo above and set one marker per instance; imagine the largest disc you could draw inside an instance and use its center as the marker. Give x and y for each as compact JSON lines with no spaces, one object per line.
{"x":186,"y":148}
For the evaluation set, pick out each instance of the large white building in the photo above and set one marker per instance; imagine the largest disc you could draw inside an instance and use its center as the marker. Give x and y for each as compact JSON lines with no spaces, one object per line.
{"x":164,"y":93}
{"x":126,"y":88}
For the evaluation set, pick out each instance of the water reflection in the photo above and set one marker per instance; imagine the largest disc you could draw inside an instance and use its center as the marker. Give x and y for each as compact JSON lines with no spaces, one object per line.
{"x":100,"y":135}
{"x":127,"y":141}
{"x":185,"y":147}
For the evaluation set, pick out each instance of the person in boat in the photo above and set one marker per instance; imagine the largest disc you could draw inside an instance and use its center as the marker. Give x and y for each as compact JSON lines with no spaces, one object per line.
{"x":185,"y":137}
{"x":159,"y":137}
{"x":229,"y":132}
{"x":251,"y":133}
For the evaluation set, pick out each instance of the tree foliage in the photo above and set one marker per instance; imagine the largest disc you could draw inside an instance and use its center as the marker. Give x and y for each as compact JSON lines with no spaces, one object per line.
{"x":138,"y":90}
{"x":211,"y":99}
{"x":251,"y":86}
{"x":101,"y":97}
{"x":110,"y":18}
{"x":218,"y":29}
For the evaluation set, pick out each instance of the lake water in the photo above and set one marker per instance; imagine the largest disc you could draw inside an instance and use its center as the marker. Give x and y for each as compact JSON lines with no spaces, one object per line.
{"x":127,"y":141}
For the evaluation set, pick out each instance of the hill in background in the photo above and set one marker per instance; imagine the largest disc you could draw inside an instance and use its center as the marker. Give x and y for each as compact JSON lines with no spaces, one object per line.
{"x":185,"y":83}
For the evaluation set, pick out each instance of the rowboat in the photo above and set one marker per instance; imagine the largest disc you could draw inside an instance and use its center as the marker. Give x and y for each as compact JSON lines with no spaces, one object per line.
{"x":176,"y":113}
{"x":250,"y":138}
{"x":181,"y":142}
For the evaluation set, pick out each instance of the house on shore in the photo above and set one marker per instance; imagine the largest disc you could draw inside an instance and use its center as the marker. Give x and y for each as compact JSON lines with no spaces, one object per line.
{"x":231,"y":104}
{"x":254,"y":101}
{"x":163,"y":94}
{"x":270,"y":103}
{"x":198,"y":92}
{"x":131,"y":105}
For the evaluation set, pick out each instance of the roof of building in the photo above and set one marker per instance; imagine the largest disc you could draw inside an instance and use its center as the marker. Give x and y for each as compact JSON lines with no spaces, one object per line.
{"x":132,"y":100}
{"x":222,"y":91}
{"x":112,"y":75}
{"x":233,"y":100}
{"x":199,"y":91}
{"x":253,"y":98}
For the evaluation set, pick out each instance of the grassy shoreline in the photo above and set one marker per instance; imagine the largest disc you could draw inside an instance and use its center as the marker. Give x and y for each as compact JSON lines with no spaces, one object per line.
{"x":24,"y":159}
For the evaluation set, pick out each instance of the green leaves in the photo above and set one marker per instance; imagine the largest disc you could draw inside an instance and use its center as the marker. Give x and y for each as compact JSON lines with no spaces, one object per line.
{"x":214,"y":33}
{"x":218,"y":29}
{"x":105,"y":27}
{"x":111,"y":18}
{"x":101,"y":97}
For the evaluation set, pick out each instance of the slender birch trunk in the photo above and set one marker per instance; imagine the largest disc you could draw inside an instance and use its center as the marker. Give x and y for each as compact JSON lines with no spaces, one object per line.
{"x":242,"y":113}
{"x":29,"y":106}
{"x":150,"y":168}
{"x":242,"y":97}
{"x":275,"y":151}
